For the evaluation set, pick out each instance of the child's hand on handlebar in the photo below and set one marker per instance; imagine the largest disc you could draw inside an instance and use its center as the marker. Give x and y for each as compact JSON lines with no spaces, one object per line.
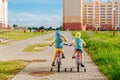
{"x":65,"y":44}
{"x":70,"y":44}
{"x":50,"y":45}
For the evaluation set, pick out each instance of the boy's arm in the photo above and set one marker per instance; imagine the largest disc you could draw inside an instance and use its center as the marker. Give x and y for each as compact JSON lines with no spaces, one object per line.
{"x":84,"y":43}
{"x":52,"y":43}
{"x":65,"y":39}
{"x":73,"y":41}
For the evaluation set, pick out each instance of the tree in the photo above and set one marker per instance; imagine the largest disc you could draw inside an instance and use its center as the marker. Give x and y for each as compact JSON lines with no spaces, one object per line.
{"x":50,"y":28}
{"x":42,"y":27}
{"x":15,"y":26}
{"x":29,"y":28}
{"x":59,"y":28}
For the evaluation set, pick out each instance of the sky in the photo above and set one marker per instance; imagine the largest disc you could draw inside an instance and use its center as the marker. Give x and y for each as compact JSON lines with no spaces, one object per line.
{"x":36,"y":13}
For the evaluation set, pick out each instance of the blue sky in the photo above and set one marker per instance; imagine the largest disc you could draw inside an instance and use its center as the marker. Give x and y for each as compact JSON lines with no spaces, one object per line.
{"x":35,"y":12}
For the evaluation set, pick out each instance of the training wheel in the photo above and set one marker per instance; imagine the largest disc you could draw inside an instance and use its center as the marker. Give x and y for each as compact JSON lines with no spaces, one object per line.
{"x":65,"y":70}
{"x":85,"y":70}
{"x":70,"y":69}
{"x":51,"y":69}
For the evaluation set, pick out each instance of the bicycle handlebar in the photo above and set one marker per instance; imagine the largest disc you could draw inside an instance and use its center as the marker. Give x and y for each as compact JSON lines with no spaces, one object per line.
{"x":66,"y":44}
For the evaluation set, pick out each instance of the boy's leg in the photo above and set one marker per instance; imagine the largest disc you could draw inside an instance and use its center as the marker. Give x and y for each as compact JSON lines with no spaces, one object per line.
{"x":63,"y":56}
{"x":73,"y":56}
{"x":54,"y":58}
{"x":81,"y":56}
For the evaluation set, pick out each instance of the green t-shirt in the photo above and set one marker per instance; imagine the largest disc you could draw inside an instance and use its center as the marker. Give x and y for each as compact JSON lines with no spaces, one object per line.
{"x":79,"y":43}
{"x":58,"y":43}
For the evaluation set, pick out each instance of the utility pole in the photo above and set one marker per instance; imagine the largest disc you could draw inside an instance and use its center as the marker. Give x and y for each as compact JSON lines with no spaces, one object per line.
{"x":114,"y":23}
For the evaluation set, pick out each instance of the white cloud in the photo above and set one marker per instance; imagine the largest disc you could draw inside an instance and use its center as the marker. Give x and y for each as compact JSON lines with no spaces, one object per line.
{"x":28,"y":19}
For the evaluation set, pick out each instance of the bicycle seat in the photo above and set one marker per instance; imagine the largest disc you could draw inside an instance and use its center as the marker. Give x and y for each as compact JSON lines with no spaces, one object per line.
{"x":59,"y":52}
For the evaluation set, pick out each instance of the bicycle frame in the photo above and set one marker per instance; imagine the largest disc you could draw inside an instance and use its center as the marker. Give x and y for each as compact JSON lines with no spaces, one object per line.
{"x":58,"y":60}
{"x":58,"y":57}
{"x":78,"y":61}
{"x":78,"y":57}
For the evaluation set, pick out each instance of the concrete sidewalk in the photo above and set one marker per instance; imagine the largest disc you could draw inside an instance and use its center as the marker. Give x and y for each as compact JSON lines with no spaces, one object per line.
{"x":14,"y":50}
{"x":92,"y":72}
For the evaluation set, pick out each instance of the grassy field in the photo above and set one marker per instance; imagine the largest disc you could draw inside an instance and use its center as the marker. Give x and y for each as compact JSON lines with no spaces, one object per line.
{"x":20,"y":35}
{"x":36,"y":47}
{"x":104,"y":49}
{"x":8,"y":69}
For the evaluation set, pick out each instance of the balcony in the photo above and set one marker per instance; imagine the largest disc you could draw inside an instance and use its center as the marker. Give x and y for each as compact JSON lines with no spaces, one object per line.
{"x":109,"y":11}
{"x":109,"y":5}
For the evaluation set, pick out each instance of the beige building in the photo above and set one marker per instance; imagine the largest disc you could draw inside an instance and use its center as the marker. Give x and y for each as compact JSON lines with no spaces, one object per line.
{"x":95,"y":14}
{"x":72,"y":14}
{"x":101,"y":15}
{"x":3,"y":14}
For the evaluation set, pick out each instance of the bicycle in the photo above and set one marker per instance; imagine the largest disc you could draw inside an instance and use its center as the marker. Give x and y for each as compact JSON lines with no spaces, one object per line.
{"x":58,"y":60}
{"x":78,"y":61}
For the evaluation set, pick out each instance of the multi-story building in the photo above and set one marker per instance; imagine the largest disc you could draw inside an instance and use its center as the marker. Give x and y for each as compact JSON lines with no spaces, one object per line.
{"x":72,"y":14}
{"x":3,"y":14}
{"x":119,"y":12}
{"x":101,"y":15}
{"x":97,"y":14}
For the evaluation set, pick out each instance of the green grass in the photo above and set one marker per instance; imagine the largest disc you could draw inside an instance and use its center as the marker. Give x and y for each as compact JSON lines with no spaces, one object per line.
{"x":8,"y":69}
{"x":104,"y":49}
{"x":36,"y":47}
{"x":50,"y":39}
{"x":20,"y":35}
{"x":3,"y":43}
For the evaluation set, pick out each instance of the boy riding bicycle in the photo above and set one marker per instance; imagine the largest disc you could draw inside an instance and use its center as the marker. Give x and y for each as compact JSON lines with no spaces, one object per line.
{"x":79,"y":42}
{"x":58,"y":45}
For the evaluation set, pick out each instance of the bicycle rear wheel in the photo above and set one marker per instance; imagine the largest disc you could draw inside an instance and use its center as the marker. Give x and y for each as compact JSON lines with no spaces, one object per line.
{"x":58,"y":66}
{"x":78,"y":67}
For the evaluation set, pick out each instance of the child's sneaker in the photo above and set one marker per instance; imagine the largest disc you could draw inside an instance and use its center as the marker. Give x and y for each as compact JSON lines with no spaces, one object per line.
{"x":73,"y":56}
{"x":82,"y":65}
{"x":63,"y":56}
{"x":53,"y":63}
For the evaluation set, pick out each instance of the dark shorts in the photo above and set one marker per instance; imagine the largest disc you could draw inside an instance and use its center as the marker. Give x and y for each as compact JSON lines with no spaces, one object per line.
{"x":79,"y":50}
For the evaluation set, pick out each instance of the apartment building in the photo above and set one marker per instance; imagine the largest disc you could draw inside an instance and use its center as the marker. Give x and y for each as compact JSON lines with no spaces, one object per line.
{"x":95,"y":14}
{"x":101,"y":15}
{"x":3,"y":14}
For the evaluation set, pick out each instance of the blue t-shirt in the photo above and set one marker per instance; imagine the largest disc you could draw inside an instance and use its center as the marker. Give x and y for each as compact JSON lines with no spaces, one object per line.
{"x":79,"y":43}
